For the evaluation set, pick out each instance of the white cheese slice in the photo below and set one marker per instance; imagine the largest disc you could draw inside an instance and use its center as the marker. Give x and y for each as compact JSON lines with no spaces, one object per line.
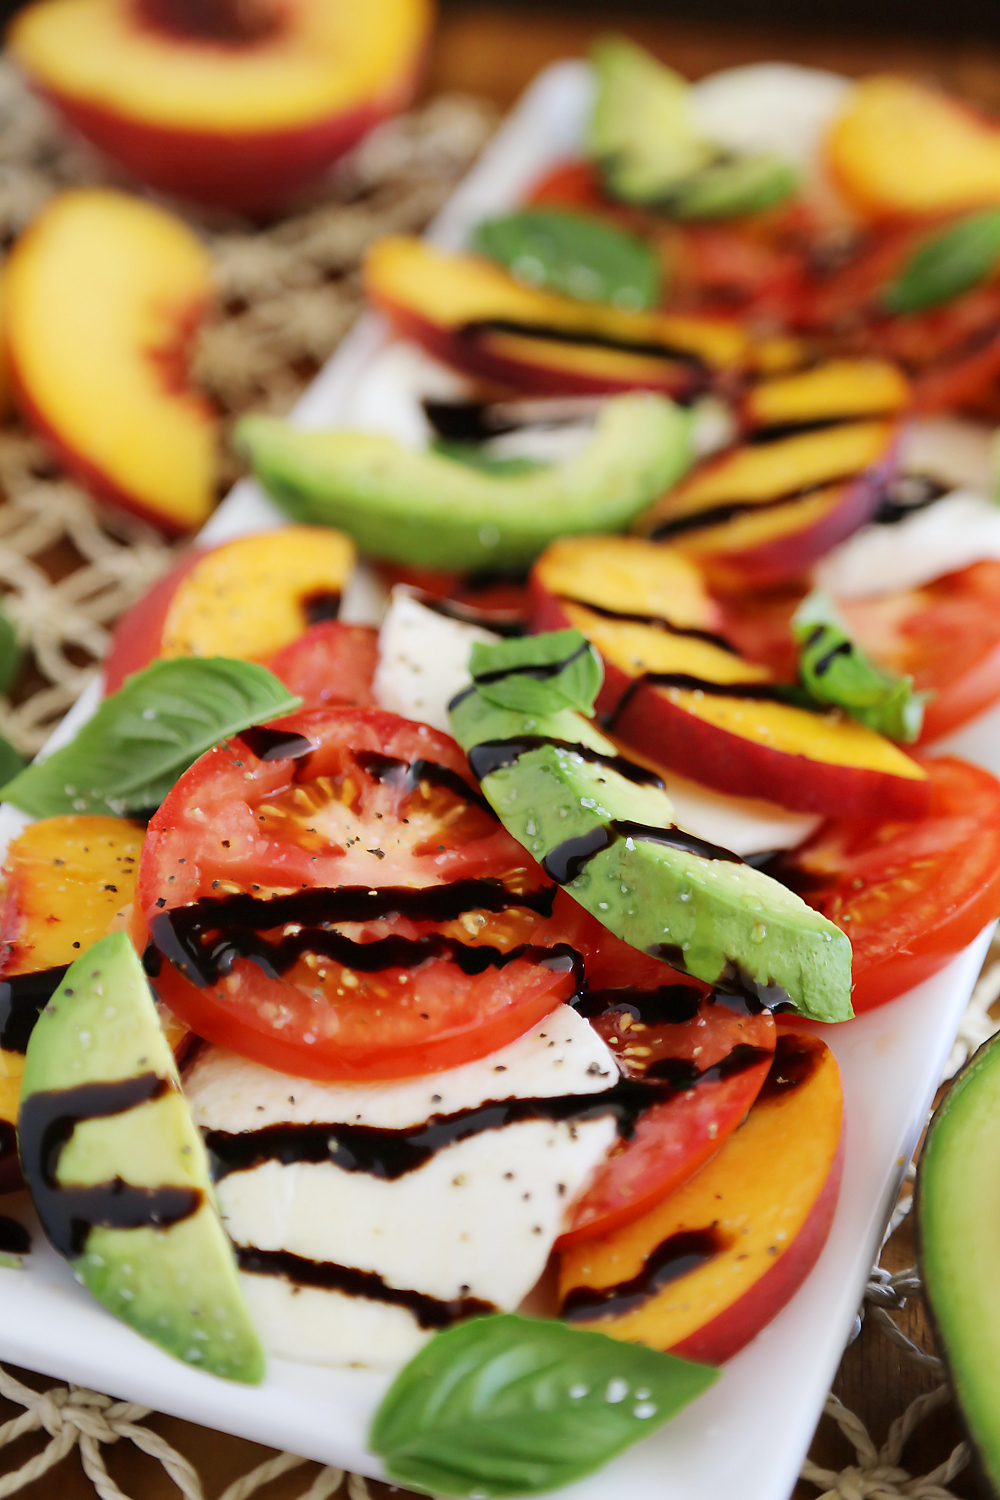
{"x":423,"y":660}
{"x":770,"y":107}
{"x":423,"y":663}
{"x":478,"y":1219}
{"x":389,"y":392}
{"x":953,"y":450}
{"x":960,"y":529}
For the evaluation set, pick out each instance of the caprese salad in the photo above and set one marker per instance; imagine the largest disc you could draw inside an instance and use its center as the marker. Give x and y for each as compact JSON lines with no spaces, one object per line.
{"x":424,"y":997}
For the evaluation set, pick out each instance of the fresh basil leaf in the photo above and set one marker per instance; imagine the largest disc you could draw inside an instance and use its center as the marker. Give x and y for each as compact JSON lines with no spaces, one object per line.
{"x":11,"y":652}
{"x":947,"y":265}
{"x":141,"y":739}
{"x":539,"y":674}
{"x":573,"y":253}
{"x":835,"y":670}
{"x":476,"y":457}
{"x":10,"y":763}
{"x":732,"y":186}
{"x":505,"y":1405}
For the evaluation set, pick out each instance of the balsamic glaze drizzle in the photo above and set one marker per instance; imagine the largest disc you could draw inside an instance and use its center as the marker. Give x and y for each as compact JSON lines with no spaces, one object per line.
{"x":656,"y":622}
{"x":540,"y":671}
{"x":275,"y":744}
{"x":22,"y":999}
{"x":204,"y":939}
{"x":717,"y":515}
{"x":68,"y":1213}
{"x":907,"y":494}
{"x":391,"y":1154}
{"x":677,"y":1255}
{"x":429,"y":1312}
{"x":14,"y":1238}
{"x":485,"y":326}
{"x":321,"y":606}
{"x":757,"y":692}
{"x":494,"y":755}
{"x":503,"y":622}
{"x":405,"y":776}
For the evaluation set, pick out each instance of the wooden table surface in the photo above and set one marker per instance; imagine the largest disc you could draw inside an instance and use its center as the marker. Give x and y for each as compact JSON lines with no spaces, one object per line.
{"x":494,"y":52}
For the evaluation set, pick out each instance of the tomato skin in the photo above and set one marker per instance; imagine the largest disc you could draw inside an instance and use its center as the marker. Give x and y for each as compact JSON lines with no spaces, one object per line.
{"x":909,"y":895}
{"x":946,"y":635}
{"x":238,"y":824}
{"x":330,"y":663}
{"x":677,"y":1135}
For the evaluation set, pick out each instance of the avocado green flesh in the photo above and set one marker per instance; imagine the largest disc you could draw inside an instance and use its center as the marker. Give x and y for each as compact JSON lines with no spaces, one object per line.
{"x":177,"y":1285}
{"x":701,"y":914}
{"x":426,"y":510}
{"x":642,"y":128}
{"x":958,"y":1223}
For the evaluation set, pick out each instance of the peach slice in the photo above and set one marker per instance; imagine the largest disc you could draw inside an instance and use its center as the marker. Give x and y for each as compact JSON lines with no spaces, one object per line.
{"x":834,"y":390}
{"x":683,"y":697}
{"x":763,"y":512}
{"x":702,"y":1272}
{"x":102,"y":293}
{"x":247,"y":598}
{"x":905,"y":149}
{"x":233,"y":103}
{"x":473,"y":315}
{"x":64,"y":881}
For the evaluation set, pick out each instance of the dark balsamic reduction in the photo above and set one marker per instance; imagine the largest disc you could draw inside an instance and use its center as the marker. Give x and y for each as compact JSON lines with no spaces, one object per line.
{"x":14,"y":1238}
{"x":679,"y":1254}
{"x":390,"y":1154}
{"x":502,"y":622}
{"x":756,"y":692}
{"x":46,"y":1124}
{"x":493,"y":755}
{"x":321,"y":606}
{"x":430,"y":1312}
{"x":204,"y":940}
{"x":826,"y":661}
{"x":716,"y":515}
{"x":565,"y":862}
{"x":797,"y":1055}
{"x":405,"y":776}
{"x":275,"y":744}
{"x":654,"y":350}
{"x":683,"y":1074}
{"x":22,"y":999}
{"x":779,"y":430}
{"x":657,"y":622}
{"x":906,"y":494}
{"x":667,"y":1005}
{"x":540,"y":671}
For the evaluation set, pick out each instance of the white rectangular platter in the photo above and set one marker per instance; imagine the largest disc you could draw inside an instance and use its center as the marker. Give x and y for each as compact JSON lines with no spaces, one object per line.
{"x":748,"y":1435}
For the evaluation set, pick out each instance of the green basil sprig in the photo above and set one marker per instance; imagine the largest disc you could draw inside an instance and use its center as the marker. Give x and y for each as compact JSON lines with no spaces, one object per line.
{"x":539,"y":674}
{"x":142,"y":738}
{"x":506,"y":1405}
{"x":573,"y":253}
{"x":947,"y":265}
{"x":835,"y":670}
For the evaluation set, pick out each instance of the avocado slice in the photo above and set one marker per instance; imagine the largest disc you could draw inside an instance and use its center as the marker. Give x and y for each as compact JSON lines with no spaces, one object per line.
{"x":644,"y":133}
{"x":958,"y":1241}
{"x":604,"y":828}
{"x":430,"y":511}
{"x":118,"y":1171}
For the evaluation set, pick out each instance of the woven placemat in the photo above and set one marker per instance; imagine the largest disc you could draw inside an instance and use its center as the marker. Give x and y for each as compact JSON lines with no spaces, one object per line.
{"x":287,"y":293}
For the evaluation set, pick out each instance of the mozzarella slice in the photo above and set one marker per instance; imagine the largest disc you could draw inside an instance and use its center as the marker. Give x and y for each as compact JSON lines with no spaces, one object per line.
{"x":745,"y":825}
{"x":960,"y":529}
{"x":956,"y":452}
{"x":770,"y":107}
{"x":423,"y":660}
{"x":478,"y":1219}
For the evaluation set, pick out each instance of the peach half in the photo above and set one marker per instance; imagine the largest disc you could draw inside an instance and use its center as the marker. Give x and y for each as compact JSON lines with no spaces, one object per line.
{"x":702,"y":1272}
{"x":223,"y":101}
{"x":102,"y":292}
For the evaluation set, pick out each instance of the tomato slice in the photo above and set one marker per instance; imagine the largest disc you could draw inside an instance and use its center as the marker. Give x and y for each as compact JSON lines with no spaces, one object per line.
{"x":909,"y":895}
{"x":946,"y":635}
{"x":702,"y":1049}
{"x":333,"y":898}
{"x":330,"y":663}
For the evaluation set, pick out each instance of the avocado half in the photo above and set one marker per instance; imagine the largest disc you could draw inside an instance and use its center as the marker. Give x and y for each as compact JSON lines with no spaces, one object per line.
{"x":958,"y":1238}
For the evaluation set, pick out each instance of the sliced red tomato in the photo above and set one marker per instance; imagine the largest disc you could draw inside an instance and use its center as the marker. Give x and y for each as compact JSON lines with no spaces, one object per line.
{"x":333,"y":898}
{"x":946,"y":635}
{"x":909,"y":895}
{"x":571,"y":184}
{"x":330,"y":663}
{"x":704,"y":1051}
